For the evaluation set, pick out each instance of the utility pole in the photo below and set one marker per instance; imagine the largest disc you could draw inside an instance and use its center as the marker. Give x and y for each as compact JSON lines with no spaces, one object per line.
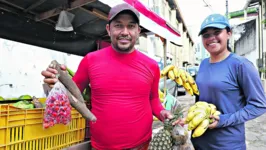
{"x":226,"y":6}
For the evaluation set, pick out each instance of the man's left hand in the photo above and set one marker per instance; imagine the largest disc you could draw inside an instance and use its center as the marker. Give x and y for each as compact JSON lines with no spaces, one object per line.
{"x":166,"y":114}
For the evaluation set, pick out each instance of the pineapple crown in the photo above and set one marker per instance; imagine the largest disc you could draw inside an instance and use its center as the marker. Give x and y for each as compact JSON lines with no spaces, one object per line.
{"x":177,"y":110}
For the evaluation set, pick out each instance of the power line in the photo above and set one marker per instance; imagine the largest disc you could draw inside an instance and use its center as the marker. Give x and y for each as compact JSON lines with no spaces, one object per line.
{"x":207,"y":5}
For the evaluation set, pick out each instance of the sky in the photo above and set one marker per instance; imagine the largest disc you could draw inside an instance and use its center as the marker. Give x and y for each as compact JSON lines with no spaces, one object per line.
{"x":194,"y":11}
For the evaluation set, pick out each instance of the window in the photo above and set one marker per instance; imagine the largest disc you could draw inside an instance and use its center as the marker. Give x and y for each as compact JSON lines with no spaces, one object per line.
{"x":154,"y":6}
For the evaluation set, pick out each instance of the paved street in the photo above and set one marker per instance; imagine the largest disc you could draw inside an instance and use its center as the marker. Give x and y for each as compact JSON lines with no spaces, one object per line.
{"x":256,"y":133}
{"x":255,"y":129}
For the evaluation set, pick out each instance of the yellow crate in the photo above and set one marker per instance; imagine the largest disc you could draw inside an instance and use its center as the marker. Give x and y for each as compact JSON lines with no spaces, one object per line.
{"x":22,"y":130}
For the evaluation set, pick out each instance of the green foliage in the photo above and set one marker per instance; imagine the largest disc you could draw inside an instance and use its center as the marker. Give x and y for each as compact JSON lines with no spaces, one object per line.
{"x":262,"y":70}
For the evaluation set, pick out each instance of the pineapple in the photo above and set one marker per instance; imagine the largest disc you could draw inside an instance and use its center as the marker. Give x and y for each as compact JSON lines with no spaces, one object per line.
{"x":161,"y":141}
{"x":170,"y":136}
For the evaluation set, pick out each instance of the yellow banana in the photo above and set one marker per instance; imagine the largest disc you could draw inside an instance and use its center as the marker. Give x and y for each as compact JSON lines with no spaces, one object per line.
{"x":171,"y":75}
{"x":155,"y":118}
{"x":167,"y":69}
{"x":192,"y":83}
{"x":216,"y":113}
{"x":161,"y":94}
{"x":211,"y":120}
{"x":161,"y":100}
{"x":179,"y":81}
{"x":191,"y":126}
{"x":203,"y":126}
{"x":188,"y":88}
{"x":199,"y":103}
{"x":213,"y":108}
{"x":198,"y":119}
{"x":176,"y":72}
{"x":205,"y":106}
{"x":192,"y":108}
{"x":196,"y":92}
{"x":190,"y":78}
{"x":161,"y":76}
{"x":202,"y":104}
{"x":190,"y":91}
{"x":200,"y":109}
{"x":189,"y":117}
{"x":183,"y":76}
{"x":208,"y":110}
{"x":195,"y":88}
{"x":193,"y":113}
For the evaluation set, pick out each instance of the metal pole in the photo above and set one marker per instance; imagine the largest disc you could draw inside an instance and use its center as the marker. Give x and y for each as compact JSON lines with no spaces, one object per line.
{"x":226,"y":5}
{"x":164,"y":61}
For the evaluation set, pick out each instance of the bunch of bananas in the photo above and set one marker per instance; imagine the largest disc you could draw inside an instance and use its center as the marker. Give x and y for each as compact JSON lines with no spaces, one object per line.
{"x":198,"y":117}
{"x":181,"y":77}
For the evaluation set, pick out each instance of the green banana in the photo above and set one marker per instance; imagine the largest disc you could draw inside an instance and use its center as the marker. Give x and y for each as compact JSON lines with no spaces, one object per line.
{"x":12,"y":98}
{"x":24,"y":97}
{"x":1,"y":98}
{"x":23,"y":105}
{"x":84,"y":93}
{"x":70,"y":72}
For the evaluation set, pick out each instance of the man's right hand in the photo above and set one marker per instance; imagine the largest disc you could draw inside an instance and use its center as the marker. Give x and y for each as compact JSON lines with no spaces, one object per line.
{"x":50,"y":75}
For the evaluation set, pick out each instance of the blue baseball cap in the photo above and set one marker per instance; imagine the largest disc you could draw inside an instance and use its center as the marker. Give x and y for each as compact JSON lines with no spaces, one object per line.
{"x":214,"y":21}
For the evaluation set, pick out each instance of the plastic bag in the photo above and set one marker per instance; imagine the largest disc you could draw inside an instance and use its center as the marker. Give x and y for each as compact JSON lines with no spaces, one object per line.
{"x":58,"y":108}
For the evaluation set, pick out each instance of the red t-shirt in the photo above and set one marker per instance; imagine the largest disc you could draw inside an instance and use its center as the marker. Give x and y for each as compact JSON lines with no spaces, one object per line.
{"x":124,"y":97}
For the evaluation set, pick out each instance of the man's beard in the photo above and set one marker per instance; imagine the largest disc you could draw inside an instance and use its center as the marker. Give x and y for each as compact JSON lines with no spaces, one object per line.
{"x":123,"y":49}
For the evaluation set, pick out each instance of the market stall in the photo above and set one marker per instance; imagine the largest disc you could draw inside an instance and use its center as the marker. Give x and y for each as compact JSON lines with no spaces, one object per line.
{"x":35,"y":23}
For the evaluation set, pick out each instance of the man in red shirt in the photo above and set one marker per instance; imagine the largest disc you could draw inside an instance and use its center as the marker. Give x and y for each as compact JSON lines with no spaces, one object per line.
{"x":124,"y":86}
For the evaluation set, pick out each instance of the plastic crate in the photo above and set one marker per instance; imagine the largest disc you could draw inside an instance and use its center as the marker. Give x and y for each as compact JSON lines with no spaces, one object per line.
{"x":22,"y":129}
